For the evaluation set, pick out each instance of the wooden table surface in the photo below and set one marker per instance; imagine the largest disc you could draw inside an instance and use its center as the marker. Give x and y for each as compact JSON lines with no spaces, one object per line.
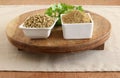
{"x":59,"y":75}
{"x":12,"y":74}
{"x":42,"y":2}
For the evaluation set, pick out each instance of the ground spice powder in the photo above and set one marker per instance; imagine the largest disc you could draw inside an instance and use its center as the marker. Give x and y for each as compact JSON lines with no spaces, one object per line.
{"x":76,"y":16}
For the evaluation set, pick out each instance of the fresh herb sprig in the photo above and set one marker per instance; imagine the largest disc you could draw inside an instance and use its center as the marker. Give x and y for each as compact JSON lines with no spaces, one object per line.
{"x":56,"y":10}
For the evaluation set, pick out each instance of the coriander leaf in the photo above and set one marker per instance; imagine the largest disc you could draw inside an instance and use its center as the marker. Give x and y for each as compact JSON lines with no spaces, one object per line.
{"x":56,"y":10}
{"x":49,"y":11}
{"x":79,"y":8}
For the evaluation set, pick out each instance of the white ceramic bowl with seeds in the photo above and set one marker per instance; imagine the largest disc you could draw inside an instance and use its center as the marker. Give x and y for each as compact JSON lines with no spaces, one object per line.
{"x":78,"y":30}
{"x":36,"y":33}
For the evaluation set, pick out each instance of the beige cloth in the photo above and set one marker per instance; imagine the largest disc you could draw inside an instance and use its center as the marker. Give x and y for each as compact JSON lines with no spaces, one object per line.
{"x":93,"y":60}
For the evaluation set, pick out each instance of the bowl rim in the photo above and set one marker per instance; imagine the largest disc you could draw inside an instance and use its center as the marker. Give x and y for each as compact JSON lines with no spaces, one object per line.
{"x":22,"y":27}
{"x":76,"y":23}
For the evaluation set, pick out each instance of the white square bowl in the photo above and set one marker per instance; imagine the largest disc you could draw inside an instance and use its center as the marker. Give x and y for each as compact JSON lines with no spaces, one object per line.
{"x":37,"y":32}
{"x":77,"y":30}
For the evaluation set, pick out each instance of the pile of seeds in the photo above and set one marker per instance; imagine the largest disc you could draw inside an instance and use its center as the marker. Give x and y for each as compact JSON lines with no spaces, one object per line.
{"x":76,"y":16}
{"x":39,"y":21}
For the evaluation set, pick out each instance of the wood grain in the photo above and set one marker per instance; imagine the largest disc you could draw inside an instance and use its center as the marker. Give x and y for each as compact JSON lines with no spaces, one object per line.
{"x":56,"y":42}
{"x":59,"y":75}
{"x":76,"y":2}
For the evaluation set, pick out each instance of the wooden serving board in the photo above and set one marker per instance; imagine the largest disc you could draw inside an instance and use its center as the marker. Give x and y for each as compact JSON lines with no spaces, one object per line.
{"x":56,"y":43}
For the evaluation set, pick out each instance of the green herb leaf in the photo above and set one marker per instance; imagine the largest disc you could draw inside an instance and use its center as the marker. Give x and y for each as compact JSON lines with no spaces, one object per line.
{"x":56,"y":10}
{"x":79,"y":8}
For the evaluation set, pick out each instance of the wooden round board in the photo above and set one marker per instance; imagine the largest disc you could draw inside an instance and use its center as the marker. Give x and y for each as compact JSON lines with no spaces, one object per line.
{"x":56,"y":43}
